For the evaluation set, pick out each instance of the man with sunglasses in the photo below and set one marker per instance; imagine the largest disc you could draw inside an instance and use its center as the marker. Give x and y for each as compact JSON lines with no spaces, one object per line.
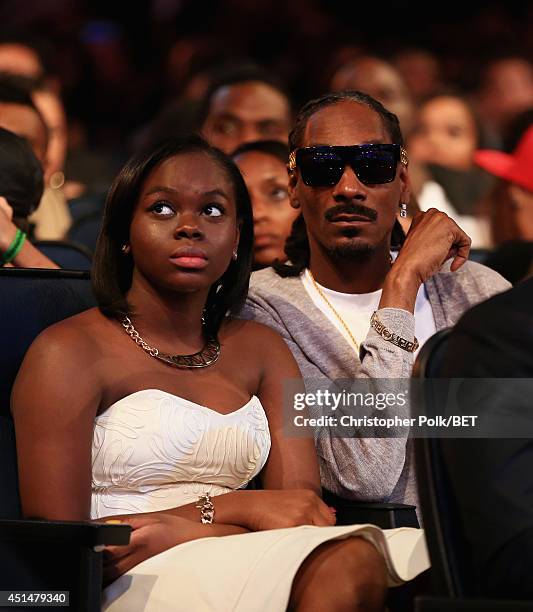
{"x":345,"y":306}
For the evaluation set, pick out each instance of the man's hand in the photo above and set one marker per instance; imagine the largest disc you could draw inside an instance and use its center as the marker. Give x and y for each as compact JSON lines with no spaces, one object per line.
{"x":432,"y":239}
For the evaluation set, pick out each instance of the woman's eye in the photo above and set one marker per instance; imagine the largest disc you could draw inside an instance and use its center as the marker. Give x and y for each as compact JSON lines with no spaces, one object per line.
{"x":162,"y":208}
{"x":279,"y":193}
{"x":213,"y":210}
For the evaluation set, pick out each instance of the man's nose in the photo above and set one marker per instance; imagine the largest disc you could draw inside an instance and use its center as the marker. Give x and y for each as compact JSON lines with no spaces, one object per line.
{"x":349,"y":187}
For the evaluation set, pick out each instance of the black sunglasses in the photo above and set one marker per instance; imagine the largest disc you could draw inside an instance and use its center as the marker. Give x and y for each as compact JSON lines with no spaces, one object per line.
{"x":373,"y":164}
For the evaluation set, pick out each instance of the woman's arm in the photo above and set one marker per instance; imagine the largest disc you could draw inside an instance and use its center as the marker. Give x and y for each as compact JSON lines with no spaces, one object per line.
{"x":54,"y":402}
{"x":293,"y":462}
{"x":28,"y":256}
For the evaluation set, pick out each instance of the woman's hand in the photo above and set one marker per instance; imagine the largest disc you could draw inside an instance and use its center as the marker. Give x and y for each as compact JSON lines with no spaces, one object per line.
{"x":154,"y":533}
{"x":273,"y":509}
{"x":432,"y":239}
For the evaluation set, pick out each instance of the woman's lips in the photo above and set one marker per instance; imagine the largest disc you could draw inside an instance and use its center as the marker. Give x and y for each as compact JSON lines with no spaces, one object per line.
{"x":191,"y":258}
{"x":185,"y":261}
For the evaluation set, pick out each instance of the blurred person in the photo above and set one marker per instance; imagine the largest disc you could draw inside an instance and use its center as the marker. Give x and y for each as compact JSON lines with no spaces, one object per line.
{"x":244,"y":103}
{"x":382,"y":81}
{"x":37,"y":114}
{"x":19,"y":114}
{"x":21,"y":188}
{"x":445,"y":136}
{"x":446,"y":133}
{"x":421,"y":71}
{"x":511,"y":200}
{"x":345,"y":306}
{"x":263,"y":165}
{"x":20,"y":58}
{"x":505,"y":90}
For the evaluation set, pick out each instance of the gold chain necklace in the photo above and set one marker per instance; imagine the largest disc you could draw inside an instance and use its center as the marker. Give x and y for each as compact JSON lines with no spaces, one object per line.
{"x":333,"y":310}
{"x":203,"y":358}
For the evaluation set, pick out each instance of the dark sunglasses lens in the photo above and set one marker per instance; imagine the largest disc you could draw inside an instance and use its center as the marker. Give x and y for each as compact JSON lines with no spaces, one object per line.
{"x":319,"y":169}
{"x":375,"y":166}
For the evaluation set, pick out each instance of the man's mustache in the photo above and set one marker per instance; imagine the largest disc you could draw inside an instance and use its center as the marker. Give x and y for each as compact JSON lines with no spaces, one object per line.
{"x":350,"y":209}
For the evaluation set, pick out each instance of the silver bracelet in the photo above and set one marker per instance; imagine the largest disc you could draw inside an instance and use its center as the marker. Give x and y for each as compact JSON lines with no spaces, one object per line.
{"x":207,"y":509}
{"x":390,"y":336}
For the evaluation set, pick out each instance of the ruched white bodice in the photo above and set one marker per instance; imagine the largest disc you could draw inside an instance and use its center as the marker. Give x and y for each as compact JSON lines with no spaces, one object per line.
{"x":153,"y":450}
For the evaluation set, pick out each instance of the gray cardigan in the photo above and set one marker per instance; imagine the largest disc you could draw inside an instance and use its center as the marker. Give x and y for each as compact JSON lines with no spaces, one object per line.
{"x":369,"y":469}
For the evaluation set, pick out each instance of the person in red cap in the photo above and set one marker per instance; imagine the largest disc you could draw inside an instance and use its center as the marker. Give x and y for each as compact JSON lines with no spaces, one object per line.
{"x":511,"y":209}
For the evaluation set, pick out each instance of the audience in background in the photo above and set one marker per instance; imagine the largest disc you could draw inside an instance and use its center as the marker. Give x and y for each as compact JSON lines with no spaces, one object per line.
{"x":505,"y":90}
{"x":421,"y":71}
{"x":445,"y":136}
{"x":511,"y":206}
{"x":244,"y":103}
{"x":382,"y":81}
{"x":263,"y":165}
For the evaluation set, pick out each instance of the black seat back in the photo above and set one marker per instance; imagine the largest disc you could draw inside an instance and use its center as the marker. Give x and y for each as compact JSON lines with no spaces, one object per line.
{"x":450,"y":557}
{"x":69,"y":255}
{"x":31,"y":300}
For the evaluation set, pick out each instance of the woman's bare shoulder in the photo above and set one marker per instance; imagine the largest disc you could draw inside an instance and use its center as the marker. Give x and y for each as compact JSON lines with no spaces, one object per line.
{"x":77,"y":336}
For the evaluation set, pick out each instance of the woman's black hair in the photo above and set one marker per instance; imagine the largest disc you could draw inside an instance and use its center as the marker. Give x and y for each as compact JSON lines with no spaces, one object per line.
{"x":275,"y":148}
{"x":112,"y":269}
{"x":297,"y":244}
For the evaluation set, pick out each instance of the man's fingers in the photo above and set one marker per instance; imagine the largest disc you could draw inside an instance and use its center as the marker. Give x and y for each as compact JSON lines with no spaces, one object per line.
{"x":462,"y":250}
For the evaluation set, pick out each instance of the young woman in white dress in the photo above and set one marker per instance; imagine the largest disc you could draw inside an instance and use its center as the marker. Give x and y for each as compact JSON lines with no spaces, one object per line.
{"x":158,"y":407}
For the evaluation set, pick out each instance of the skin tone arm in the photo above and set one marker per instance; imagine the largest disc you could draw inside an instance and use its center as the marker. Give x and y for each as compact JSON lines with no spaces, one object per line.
{"x":28,"y":256}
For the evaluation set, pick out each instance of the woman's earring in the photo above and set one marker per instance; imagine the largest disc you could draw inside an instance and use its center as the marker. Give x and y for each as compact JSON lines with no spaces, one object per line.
{"x":234,"y":255}
{"x":125,"y":248}
{"x":403,"y":210}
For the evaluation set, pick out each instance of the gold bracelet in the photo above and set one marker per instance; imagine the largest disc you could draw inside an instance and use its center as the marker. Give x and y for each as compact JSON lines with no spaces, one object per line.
{"x":390,"y":336}
{"x":207,"y":509}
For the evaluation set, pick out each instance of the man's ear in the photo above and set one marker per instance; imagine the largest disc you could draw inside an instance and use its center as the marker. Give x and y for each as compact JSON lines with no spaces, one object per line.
{"x":405,"y":184}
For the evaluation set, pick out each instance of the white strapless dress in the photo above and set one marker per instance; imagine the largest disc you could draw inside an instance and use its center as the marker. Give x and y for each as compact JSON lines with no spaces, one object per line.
{"x":152,"y":451}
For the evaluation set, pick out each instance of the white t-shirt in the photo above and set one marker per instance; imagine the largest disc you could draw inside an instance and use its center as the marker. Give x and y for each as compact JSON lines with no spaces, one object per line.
{"x":357,"y":308}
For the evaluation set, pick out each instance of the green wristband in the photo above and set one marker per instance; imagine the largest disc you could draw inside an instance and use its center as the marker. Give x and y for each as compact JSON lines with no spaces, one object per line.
{"x":14,"y":248}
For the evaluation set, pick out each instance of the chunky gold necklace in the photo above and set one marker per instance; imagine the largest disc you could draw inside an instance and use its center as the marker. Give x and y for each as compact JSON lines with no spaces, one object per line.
{"x":333,"y":310}
{"x":205,"y":357}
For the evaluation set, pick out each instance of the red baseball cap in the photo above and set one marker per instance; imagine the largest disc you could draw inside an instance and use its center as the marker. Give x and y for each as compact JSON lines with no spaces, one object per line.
{"x":516,"y":167}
